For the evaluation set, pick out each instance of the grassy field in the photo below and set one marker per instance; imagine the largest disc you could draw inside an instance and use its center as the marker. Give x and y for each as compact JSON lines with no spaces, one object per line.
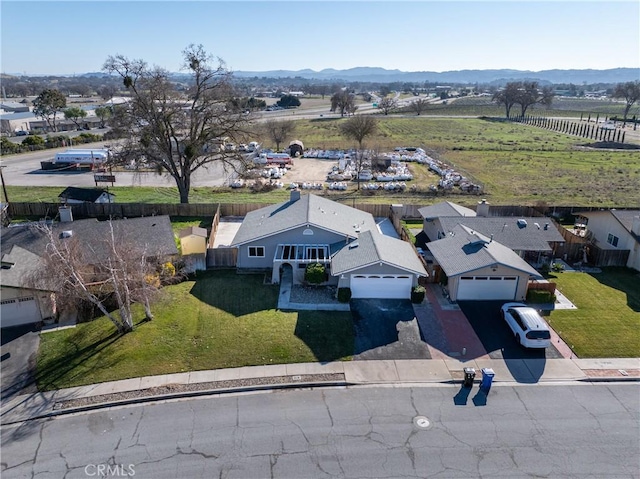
{"x":516,"y":164}
{"x":219,"y":320}
{"x":607,"y":322}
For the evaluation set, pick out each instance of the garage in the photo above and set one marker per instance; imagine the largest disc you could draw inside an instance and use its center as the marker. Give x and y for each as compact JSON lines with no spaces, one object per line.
{"x":487,"y":288}
{"x":19,"y":311}
{"x":381,"y":286}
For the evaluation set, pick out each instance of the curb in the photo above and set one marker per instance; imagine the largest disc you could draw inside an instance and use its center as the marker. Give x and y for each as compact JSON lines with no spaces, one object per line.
{"x":180,"y":395}
{"x":621,"y":379}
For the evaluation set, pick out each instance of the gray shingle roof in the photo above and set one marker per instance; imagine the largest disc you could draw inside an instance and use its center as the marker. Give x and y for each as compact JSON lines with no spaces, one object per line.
{"x":372,"y":247}
{"x":625,"y":217}
{"x":507,"y":231}
{"x":154,"y":232}
{"x":17,"y":265}
{"x":309,"y":209}
{"x":468,"y":250}
{"x":446,"y":208}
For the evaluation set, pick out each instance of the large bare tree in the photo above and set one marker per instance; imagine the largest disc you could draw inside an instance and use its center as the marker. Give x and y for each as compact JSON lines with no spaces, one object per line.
{"x":530,"y":94}
{"x":419,"y":105}
{"x":508,"y":96}
{"x":279,"y":130}
{"x":343,"y":101}
{"x":358,"y":128}
{"x":178,"y":131}
{"x":630,"y":91}
{"x":387,"y":104}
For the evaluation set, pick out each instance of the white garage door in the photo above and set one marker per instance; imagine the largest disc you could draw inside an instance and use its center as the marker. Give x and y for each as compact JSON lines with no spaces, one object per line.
{"x":487,"y":287}
{"x":381,"y":286}
{"x":18,"y":311}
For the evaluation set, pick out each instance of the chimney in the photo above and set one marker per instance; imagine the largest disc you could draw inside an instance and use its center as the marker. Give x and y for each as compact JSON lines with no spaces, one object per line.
{"x":65,"y":214}
{"x":635,"y":225}
{"x":295,"y":195}
{"x":482,"y":209}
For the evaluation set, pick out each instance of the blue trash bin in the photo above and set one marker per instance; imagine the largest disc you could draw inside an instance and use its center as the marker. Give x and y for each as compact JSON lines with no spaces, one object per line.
{"x":487,"y":378}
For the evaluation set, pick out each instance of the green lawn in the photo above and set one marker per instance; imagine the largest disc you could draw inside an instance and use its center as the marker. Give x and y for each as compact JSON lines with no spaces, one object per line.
{"x":219,"y":320}
{"x":607,"y":322}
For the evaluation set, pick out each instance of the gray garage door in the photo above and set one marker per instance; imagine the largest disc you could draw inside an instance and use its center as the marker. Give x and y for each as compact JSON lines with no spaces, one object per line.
{"x":487,"y":288}
{"x":18,"y":311}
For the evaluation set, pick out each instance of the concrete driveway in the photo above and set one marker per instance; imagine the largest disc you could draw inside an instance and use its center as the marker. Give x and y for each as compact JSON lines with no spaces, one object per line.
{"x":386,"y":329}
{"x":18,"y":360}
{"x":496,"y":337}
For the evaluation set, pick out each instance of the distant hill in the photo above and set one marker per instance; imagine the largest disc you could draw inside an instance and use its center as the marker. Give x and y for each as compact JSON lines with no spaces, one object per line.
{"x":381,"y":75}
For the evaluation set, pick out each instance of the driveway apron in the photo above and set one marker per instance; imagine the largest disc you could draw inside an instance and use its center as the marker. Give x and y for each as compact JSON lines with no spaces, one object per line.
{"x":18,"y":354}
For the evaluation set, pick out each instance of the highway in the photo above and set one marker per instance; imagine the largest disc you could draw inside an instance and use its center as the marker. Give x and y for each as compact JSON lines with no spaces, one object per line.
{"x":552,"y":431}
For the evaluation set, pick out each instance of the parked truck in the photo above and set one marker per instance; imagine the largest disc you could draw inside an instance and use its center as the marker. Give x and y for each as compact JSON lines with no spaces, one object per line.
{"x":78,"y":158}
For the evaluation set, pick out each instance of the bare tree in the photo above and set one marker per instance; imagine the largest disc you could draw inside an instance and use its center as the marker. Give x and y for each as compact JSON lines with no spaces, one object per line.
{"x":529,"y":94}
{"x":279,"y":130}
{"x":344,"y":101}
{"x":177,"y":132}
{"x":630,"y":91}
{"x":116,"y":267}
{"x":419,"y":105}
{"x":508,"y":96}
{"x":107,"y":92}
{"x":387,"y":104}
{"x":358,"y":128}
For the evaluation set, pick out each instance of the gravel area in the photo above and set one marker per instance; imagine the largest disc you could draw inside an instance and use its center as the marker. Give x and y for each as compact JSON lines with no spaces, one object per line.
{"x":313,"y":294}
{"x":207,"y":386}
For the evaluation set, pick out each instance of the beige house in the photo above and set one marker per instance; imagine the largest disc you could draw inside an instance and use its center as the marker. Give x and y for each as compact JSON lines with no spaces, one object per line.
{"x":193,"y":240}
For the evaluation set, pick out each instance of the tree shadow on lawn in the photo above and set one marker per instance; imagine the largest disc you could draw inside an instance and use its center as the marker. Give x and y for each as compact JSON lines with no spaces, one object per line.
{"x":47,"y":376}
{"x":329,"y":335}
{"x":237,"y":294}
{"x":623,"y":279}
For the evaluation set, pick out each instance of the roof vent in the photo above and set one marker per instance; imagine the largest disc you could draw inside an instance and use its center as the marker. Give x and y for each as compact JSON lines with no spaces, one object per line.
{"x":537,"y":225}
{"x":522,"y":223}
{"x":353,"y":245}
{"x":66,"y":234}
{"x":546,"y":226}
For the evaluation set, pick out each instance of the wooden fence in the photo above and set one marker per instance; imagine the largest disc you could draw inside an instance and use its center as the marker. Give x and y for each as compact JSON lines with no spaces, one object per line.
{"x":222,"y":257}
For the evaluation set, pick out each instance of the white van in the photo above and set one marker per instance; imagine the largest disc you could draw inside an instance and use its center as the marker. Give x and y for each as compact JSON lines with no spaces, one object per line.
{"x":530,"y":330}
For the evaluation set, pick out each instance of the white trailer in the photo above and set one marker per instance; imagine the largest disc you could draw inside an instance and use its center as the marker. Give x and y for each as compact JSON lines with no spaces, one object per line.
{"x":82,"y":157}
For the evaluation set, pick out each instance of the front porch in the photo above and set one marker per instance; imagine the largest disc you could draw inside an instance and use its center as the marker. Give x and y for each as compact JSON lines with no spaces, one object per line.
{"x":298,"y":256}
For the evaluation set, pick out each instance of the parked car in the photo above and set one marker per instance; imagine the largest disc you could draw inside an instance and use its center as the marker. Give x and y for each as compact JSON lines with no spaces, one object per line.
{"x":530,"y":330}
{"x":22,"y":133}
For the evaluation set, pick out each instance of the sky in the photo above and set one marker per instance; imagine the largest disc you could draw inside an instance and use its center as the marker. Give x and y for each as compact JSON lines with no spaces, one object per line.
{"x":51,"y":37}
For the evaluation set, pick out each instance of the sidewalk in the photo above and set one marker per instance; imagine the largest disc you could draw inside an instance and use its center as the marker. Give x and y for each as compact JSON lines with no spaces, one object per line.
{"x":399,"y":373}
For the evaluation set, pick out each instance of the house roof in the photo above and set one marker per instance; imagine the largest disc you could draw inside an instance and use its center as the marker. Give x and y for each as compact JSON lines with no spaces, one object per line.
{"x":83,"y":194}
{"x":446,"y":208}
{"x":193,"y":230}
{"x":17,"y":264}
{"x":308,"y":210}
{"x":152,"y":232}
{"x":510,"y":230}
{"x":373,"y":247}
{"x":467,"y":250}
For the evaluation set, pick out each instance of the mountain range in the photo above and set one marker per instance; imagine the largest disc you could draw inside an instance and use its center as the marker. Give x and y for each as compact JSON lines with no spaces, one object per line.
{"x":382,"y":75}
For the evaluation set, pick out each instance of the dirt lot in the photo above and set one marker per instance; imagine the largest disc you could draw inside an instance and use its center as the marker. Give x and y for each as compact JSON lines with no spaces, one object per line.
{"x":309,"y":169}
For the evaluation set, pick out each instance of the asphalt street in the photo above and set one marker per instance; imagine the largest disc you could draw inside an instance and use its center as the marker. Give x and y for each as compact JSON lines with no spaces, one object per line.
{"x":552,"y":431}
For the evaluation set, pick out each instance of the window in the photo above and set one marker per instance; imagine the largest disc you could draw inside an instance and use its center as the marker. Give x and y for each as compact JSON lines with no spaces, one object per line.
{"x":612,"y":240}
{"x":256,"y":251}
{"x":316,"y":253}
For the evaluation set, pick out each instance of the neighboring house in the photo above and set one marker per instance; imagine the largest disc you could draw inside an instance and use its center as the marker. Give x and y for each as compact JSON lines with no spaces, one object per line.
{"x":616,"y":230}
{"x":193,"y":240}
{"x":23,"y":246}
{"x":19,"y":303}
{"x":479,"y":268}
{"x":531,"y":237}
{"x":311,"y":229}
{"x":73,"y":195}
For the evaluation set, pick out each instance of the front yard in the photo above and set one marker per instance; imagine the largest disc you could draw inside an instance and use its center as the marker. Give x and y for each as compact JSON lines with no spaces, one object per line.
{"x":607,"y":322}
{"x":219,"y":320}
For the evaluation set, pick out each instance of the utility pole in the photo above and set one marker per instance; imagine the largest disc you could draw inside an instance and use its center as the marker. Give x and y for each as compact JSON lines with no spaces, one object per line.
{"x":4,"y":187}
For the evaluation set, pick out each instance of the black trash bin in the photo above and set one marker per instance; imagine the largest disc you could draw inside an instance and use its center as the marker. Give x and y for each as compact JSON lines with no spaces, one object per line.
{"x":469,"y":376}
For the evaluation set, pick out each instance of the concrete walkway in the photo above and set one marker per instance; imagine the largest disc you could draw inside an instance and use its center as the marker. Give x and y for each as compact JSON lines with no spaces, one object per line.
{"x":396,"y":373}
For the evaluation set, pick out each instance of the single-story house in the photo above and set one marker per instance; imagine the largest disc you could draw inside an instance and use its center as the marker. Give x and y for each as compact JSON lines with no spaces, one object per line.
{"x":193,"y":240}
{"x":312,"y":229}
{"x":73,"y":195}
{"x":23,"y":246}
{"x":480,"y":268}
{"x":616,"y":230}
{"x":530,"y":237}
